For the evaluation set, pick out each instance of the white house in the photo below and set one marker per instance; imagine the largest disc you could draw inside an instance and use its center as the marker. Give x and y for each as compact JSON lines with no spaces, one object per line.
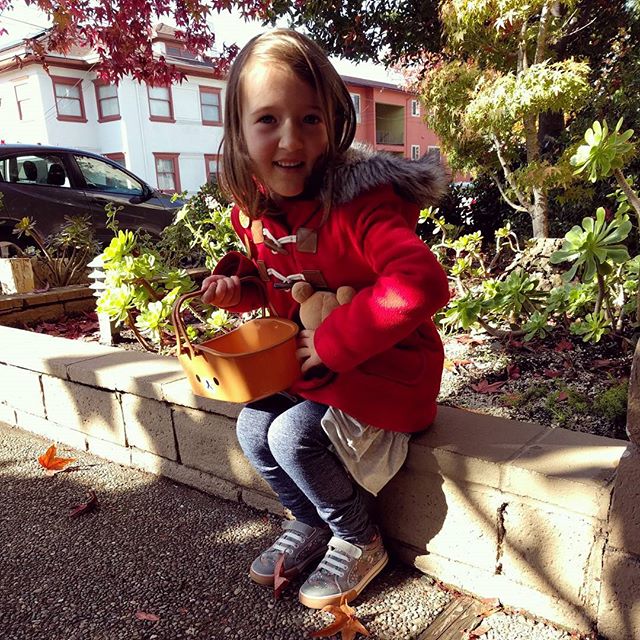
{"x":169,"y":136}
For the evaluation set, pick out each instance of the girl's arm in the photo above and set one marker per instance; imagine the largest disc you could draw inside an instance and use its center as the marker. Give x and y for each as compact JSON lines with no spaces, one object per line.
{"x":228,"y":285}
{"x":410,"y":286}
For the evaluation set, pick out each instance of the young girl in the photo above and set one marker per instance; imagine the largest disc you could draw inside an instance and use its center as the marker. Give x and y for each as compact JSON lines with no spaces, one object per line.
{"x":309,"y":207}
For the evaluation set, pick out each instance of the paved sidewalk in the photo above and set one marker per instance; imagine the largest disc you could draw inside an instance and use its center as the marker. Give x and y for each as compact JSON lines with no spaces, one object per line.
{"x":165,"y":549}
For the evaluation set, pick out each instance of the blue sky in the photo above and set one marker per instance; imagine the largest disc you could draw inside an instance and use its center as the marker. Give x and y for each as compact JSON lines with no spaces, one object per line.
{"x":25,"y":20}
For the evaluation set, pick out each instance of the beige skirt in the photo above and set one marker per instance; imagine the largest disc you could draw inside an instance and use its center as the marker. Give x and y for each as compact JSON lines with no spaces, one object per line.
{"x":372,"y":456}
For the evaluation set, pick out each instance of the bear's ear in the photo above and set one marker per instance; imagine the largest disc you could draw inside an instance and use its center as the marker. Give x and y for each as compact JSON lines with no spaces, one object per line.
{"x":301,"y":291}
{"x":345,"y":294}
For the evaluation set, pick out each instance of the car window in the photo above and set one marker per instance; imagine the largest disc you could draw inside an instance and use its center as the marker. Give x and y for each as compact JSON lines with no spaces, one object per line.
{"x":34,"y":169}
{"x":103,"y":176}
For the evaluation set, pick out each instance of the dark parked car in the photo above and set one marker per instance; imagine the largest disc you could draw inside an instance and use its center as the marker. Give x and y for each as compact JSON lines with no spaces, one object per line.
{"x":49,"y":183}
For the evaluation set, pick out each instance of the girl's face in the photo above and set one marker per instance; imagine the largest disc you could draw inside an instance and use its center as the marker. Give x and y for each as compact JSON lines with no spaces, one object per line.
{"x":283,"y":127}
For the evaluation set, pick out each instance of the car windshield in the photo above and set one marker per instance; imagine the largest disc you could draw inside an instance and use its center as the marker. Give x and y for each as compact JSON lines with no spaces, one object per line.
{"x":34,"y":169}
{"x":103,"y":176}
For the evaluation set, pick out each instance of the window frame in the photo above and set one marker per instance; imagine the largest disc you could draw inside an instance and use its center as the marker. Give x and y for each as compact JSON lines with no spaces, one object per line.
{"x":415,"y":152}
{"x":97,"y":84}
{"x":415,"y":108}
{"x":359,"y":109}
{"x":117,"y":157}
{"x":170,"y":117}
{"x":433,"y":147}
{"x":20,"y":82}
{"x":69,"y":81}
{"x":176,"y":170}
{"x":207,"y":158}
{"x":214,"y":91}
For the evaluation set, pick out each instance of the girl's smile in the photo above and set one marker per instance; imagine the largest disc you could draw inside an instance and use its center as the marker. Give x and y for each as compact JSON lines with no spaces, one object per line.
{"x":283,"y":127}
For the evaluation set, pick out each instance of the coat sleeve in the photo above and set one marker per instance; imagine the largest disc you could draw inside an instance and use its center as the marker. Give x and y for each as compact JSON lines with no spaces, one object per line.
{"x":410,"y":286}
{"x":234,"y":263}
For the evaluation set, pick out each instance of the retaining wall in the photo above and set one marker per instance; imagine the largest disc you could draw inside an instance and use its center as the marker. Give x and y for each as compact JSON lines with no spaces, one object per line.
{"x":547,"y":520}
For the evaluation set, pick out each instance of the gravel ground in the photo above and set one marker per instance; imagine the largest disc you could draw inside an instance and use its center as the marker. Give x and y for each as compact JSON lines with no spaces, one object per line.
{"x":155,"y":547}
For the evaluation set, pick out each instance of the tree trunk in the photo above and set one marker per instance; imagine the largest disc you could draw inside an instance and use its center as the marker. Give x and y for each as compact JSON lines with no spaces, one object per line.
{"x":539,"y":213}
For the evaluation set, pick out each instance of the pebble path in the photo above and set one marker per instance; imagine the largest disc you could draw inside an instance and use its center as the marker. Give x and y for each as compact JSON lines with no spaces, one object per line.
{"x":161,"y":561}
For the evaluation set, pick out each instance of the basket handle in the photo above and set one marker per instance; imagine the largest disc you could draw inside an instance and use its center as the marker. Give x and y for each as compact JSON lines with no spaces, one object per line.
{"x":182,"y":340}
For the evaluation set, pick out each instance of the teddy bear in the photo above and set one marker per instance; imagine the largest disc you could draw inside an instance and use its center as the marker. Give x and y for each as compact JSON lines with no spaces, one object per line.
{"x":315,"y":306}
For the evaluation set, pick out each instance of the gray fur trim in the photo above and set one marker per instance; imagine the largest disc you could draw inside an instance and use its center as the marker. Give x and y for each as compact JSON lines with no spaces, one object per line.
{"x":360,"y":169}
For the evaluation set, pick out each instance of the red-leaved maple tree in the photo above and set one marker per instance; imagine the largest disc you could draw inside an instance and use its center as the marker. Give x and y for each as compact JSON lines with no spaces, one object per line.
{"x":121,"y":32}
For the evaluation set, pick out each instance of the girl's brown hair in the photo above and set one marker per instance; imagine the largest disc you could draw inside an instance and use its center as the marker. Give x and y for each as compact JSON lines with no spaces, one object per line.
{"x":310,"y":63}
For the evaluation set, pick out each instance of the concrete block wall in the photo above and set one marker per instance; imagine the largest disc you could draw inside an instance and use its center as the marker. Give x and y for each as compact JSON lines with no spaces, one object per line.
{"x":547,"y":520}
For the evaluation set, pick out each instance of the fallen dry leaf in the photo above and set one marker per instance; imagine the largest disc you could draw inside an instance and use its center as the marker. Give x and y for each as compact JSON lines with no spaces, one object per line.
{"x":345,"y":622}
{"x":564,"y":345}
{"x":86,"y":507}
{"x":513,"y":371}
{"x":563,"y":395}
{"x":491,"y":606}
{"x":552,"y":373}
{"x":143,"y":615}
{"x":452,"y":365}
{"x":51,"y":463}
{"x":280,"y":581}
{"x":470,"y":340}
{"x":484,"y":386}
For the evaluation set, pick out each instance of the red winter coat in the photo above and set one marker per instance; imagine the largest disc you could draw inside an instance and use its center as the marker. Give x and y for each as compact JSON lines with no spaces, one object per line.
{"x":383,"y":346}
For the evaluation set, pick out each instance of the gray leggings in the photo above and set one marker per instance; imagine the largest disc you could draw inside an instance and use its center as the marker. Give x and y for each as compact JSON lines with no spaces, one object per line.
{"x":285,"y":443}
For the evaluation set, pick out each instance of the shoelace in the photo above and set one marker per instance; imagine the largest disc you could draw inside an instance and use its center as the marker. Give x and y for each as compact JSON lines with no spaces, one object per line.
{"x":335,"y":562}
{"x":288,"y":541}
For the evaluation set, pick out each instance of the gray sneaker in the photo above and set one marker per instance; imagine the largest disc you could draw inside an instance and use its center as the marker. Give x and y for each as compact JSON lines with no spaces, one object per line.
{"x":300,"y":544}
{"x":344,"y":572}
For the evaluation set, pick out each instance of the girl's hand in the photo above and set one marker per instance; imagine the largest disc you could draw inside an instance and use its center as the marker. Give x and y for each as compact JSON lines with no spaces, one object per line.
{"x":306,"y":351}
{"x":221,"y":291}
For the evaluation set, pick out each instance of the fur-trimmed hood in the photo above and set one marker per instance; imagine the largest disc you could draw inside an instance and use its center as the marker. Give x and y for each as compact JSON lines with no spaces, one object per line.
{"x":360,"y":169}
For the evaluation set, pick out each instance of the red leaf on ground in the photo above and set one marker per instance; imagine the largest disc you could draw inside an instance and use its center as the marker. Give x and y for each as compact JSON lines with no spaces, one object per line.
{"x":484,"y":386}
{"x":280,"y":581}
{"x":562,"y":396}
{"x":513,"y":371}
{"x":600,"y":364}
{"x":143,"y":615}
{"x":51,"y":463}
{"x":564,"y":345}
{"x":552,"y":373}
{"x":90,"y":505}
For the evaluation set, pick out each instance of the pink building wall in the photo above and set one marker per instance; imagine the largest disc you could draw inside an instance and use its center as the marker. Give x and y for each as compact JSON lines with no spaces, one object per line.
{"x":416,"y":131}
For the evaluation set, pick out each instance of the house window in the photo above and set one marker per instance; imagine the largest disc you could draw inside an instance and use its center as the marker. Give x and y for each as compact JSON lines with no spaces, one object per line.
{"x":210,"y":106}
{"x":415,"y":151}
{"x":211,"y":168}
{"x":355,"y":97}
{"x":433,"y":152}
{"x":415,"y":108}
{"x":69,"y":100}
{"x":167,"y":172}
{"x":117,"y":157}
{"x":25,"y":104}
{"x":179,"y":52}
{"x":107,"y":101}
{"x":160,"y":104}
